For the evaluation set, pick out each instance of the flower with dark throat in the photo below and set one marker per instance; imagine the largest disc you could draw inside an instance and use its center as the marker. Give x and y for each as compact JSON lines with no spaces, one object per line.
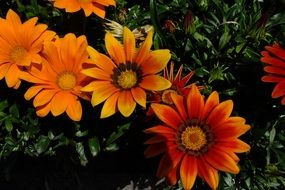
{"x":121,"y":81}
{"x":274,"y":57}
{"x":197,"y":138}
{"x":58,"y":81}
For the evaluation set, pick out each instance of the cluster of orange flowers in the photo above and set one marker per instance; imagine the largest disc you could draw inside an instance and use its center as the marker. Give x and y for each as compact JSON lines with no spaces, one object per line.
{"x":197,"y":135}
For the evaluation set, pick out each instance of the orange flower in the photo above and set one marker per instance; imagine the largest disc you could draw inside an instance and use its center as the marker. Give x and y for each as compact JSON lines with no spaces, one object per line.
{"x":275,"y":57}
{"x":20,"y":44}
{"x":88,"y":6}
{"x":58,"y":82}
{"x":122,"y":81}
{"x":197,"y":138}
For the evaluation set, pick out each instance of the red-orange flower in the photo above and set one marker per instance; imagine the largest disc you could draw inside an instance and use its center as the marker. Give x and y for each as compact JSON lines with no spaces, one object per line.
{"x":88,"y":6}
{"x":20,"y":45}
{"x":197,"y":137}
{"x":58,"y":81}
{"x":123,"y":80}
{"x":275,"y":58}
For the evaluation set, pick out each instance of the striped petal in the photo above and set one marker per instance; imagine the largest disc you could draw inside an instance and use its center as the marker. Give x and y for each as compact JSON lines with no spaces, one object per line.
{"x":155,"y":83}
{"x":188,"y":171}
{"x":126,"y":103}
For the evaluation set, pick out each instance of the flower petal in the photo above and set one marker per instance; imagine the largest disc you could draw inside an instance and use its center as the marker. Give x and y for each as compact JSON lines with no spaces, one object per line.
{"x":129,"y":44}
{"x":126,"y":103}
{"x":221,"y":160}
{"x":211,"y":102}
{"x":188,"y":171}
{"x":139,"y":95}
{"x":110,"y":106}
{"x":115,"y":49}
{"x":195,"y":103}
{"x":279,"y":90}
{"x":160,"y":129}
{"x":220,"y":113}
{"x":167,"y":114}
{"x":74,"y":109}
{"x":208,"y":173}
{"x":59,"y":103}
{"x":154,"y":150}
{"x":155,"y":62}
{"x":155,"y":83}
{"x":179,"y":104}
{"x":144,"y":49}
{"x":32,"y":91}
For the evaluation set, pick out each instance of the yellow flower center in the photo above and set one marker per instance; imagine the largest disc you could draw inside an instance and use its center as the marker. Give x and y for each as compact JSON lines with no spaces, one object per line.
{"x":193,"y":138}
{"x":18,"y":53}
{"x":127,"y":79}
{"x":166,"y":98}
{"x":66,"y":80}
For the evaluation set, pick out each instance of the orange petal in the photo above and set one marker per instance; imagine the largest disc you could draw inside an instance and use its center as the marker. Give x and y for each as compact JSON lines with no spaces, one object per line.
{"x":161,"y":138}
{"x":12,"y":75}
{"x":234,"y":145}
{"x":102,"y":91}
{"x":220,"y":113}
{"x":155,"y":62}
{"x":277,"y":51}
{"x":115,"y":49}
{"x":221,"y":161}
{"x":275,"y":70}
{"x":172,"y":176}
{"x":129,"y":44}
{"x":167,"y":114}
{"x":270,"y":78}
{"x":273,"y":61}
{"x":43,"y":110}
{"x":126,"y":103}
{"x":59,"y":103}
{"x":74,"y":109}
{"x":101,"y":60}
{"x":155,"y":83}
{"x":97,"y":73}
{"x":188,"y":171}
{"x":3,"y":70}
{"x":179,"y":104}
{"x":44,"y":97}
{"x":230,"y":130}
{"x":32,"y":91}
{"x":279,"y":90}
{"x":195,"y":103}
{"x":208,"y":173}
{"x":144,"y":49}
{"x":154,"y":150}
{"x":160,"y":129}
{"x":110,"y":105}
{"x":211,"y":102}
{"x":139,"y":95}
{"x":99,"y":10}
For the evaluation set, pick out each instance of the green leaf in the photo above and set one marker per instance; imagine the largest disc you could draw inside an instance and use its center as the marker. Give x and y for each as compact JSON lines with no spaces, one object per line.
{"x":94,"y":146}
{"x":3,"y":105}
{"x":81,"y":152}
{"x":225,"y":38}
{"x":42,"y":144}
{"x":14,"y":111}
{"x":115,"y":135}
{"x":8,"y":125}
{"x":272,"y":135}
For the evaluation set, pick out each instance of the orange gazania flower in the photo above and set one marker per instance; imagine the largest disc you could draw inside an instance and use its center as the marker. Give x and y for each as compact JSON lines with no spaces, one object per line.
{"x":88,"y":6}
{"x":122,"y":80}
{"x":20,"y":44}
{"x":197,"y":138}
{"x":275,"y":58}
{"x":58,"y":82}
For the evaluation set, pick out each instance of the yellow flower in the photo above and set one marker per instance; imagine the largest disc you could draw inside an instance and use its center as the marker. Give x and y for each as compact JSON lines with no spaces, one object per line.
{"x":88,"y":6}
{"x":59,"y":80}
{"x":197,"y":137}
{"x":20,"y":45}
{"x":122,"y":80}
